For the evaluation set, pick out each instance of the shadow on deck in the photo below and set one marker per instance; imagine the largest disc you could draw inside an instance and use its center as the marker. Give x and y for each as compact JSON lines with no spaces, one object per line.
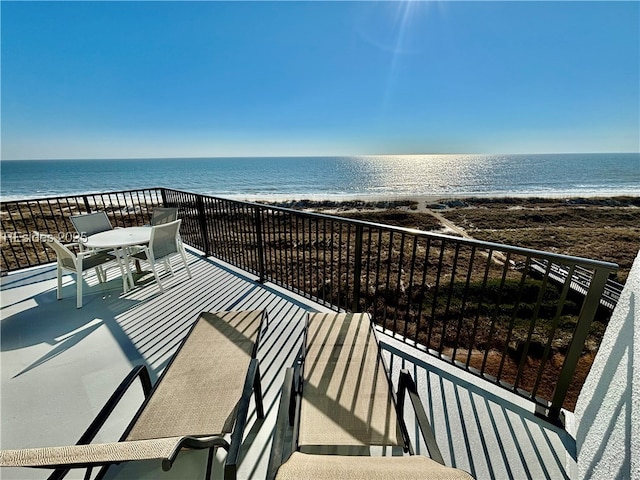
{"x":59,"y":365}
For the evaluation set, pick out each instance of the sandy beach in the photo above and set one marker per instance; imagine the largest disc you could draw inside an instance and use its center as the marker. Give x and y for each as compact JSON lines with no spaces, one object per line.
{"x":597,"y":227}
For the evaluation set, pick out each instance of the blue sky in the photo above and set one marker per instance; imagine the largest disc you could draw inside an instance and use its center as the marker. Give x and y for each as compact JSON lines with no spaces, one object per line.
{"x":181,"y":79}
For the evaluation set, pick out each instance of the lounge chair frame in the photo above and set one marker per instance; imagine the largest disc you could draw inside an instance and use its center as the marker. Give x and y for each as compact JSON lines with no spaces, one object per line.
{"x":291,"y":400}
{"x":252,"y":384}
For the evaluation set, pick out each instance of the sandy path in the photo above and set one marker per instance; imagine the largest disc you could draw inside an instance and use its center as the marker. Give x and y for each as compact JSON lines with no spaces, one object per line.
{"x":448,"y":225}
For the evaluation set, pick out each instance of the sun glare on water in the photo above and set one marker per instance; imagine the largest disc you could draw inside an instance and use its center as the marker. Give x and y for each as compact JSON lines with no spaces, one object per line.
{"x":420,"y":174}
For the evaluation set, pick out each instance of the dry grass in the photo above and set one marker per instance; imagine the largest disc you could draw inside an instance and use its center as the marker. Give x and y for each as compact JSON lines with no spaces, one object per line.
{"x":608,"y":231}
{"x":598,"y":229}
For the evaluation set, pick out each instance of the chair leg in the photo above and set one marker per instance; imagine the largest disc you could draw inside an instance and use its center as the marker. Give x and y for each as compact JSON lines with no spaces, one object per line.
{"x":167,"y":266}
{"x":87,"y":474}
{"x":123,"y":256}
{"x":100,"y":275}
{"x":125,"y":271}
{"x":155,"y":274}
{"x":79,"y":290}
{"x":257,"y":391}
{"x":184,"y":260}
{"x":210,"y":464}
{"x":59,"y":289}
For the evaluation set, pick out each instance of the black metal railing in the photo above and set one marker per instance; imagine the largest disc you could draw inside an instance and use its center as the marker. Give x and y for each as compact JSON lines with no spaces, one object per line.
{"x":500,"y":312}
{"x":51,"y":215}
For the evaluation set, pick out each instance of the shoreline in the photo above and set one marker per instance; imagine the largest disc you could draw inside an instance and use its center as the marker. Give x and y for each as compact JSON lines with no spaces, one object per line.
{"x":568,"y":194}
{"x":373,"y":198}
{"x":424,"y":203}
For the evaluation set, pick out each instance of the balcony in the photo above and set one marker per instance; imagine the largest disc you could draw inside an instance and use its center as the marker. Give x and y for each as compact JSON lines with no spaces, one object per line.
{"x":59,"y":364}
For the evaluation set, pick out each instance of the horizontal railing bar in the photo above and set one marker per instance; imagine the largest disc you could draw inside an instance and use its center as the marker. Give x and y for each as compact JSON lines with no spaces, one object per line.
{"x":557,"y":257}
{"x":80,"y":195}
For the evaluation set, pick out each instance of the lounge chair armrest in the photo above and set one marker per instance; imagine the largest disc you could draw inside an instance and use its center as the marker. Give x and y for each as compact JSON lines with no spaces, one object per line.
{"x":93,"y":429}
{"x":195,"y":443}
{"x":407,"y":385}
{"x":95,"y":426}
{"x":283,"y":422}
{"x":262,"y":329}
{"x":251,"y":384}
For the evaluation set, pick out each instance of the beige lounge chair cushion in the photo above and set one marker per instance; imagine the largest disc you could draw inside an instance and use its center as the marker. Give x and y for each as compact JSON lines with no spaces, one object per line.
{"x":346,"y":398}
{"x":302,"y":466}
{"x":200,"y":392}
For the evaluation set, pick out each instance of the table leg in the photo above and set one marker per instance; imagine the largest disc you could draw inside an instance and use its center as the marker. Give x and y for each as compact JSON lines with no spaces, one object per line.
{"x":119,"y":259}
{"x":127,"y":267}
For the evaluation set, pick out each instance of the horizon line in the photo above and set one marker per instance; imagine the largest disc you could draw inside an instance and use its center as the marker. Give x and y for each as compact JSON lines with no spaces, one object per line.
{"x":200,"y":157}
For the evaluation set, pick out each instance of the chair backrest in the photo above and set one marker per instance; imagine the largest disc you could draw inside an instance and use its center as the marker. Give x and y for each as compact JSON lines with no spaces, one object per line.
{"x":164,"y":239}
{"x":162,"y":215}
{"x":215,"y":355}
{"x":346,"y":398}
{"x":65,"y":256}
{"x":91,"y":223}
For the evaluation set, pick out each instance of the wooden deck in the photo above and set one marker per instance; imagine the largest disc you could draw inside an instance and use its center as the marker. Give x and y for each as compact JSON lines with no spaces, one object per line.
{"x":59,"y":364}
{"x":580,"y":282}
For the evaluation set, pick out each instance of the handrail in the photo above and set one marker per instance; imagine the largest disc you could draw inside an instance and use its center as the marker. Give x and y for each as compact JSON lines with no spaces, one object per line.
{"x":499,"y":311}
{"x":559,"y":258}
{"x":74,"y":195}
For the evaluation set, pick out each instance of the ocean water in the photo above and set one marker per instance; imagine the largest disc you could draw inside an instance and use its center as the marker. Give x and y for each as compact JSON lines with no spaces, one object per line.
{"x":337,"y":178}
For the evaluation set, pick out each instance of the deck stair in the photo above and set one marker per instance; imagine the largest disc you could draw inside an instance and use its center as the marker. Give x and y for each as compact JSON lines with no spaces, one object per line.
{"x":580,"y":281}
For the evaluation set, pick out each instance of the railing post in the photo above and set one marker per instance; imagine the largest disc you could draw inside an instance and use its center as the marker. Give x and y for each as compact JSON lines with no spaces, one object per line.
{"x":202,"y":219}
{"x":259,"y":238}
{"x":587,"y":314}
{"x":357,"y":269}
{"x":86,"y":203}
{"x":163,"y":194}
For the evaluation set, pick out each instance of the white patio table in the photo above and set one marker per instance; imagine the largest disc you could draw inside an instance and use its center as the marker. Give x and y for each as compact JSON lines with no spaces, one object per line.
{"x":119,"y":239}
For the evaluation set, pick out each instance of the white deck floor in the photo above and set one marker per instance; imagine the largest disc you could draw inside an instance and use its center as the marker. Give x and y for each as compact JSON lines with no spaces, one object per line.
{"x":59,"y":365}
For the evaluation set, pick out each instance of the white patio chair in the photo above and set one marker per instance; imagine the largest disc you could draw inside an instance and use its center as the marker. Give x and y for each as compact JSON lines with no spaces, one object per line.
{"x":159,"y":216}
{"x":162,"y":215}
{"x":91,"y":223}
{"x":85,"y":260}
{"x":164,"y":244}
